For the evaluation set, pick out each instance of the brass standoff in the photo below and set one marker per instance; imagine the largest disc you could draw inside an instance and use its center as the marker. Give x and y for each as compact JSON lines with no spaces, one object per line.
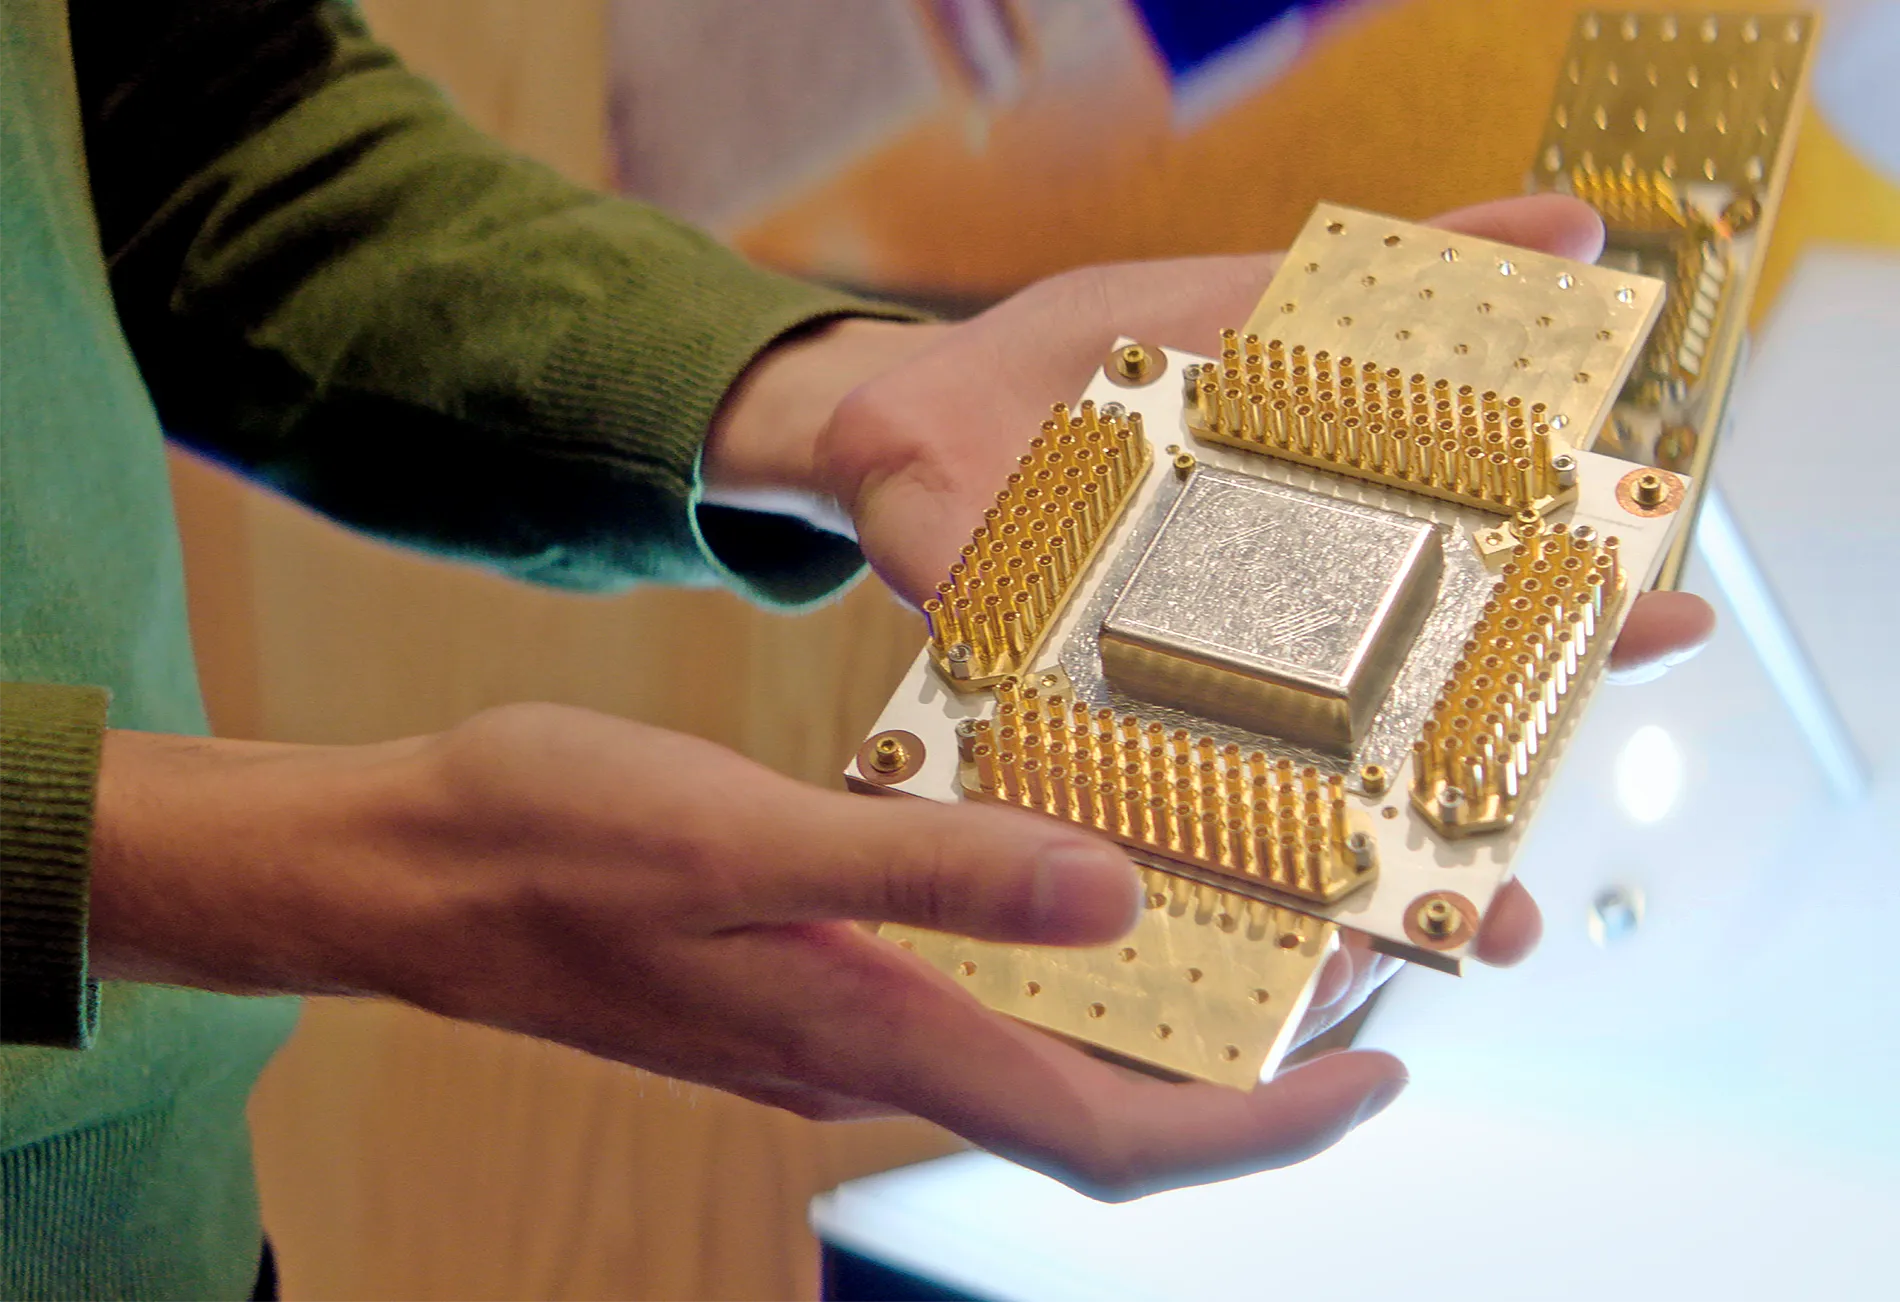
{"x":1184,"y":464}
{"x":1375,"y":779}
{"x":1649,"y":491}
{"x":1133,"y":365}
{"x":890,"y":757}
{"x":1441,"y":920}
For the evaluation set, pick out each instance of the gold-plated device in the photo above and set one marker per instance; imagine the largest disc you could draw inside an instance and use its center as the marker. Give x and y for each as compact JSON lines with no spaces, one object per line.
{"x":1317,"y":667}
{"x":1680,"y":130}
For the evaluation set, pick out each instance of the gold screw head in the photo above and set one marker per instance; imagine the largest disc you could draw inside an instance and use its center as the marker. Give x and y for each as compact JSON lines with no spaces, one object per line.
{"x":889,"y":755}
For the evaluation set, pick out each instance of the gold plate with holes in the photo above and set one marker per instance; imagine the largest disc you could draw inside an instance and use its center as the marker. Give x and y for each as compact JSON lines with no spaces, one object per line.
{"x":1694,"y":97}
{"x":1209,"y":985}
{"x":1475,"y":312}
{"x":1680,"y":129}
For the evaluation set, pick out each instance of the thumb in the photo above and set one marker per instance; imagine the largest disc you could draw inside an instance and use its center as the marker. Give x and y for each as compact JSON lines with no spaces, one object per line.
{"x":995,"y":874}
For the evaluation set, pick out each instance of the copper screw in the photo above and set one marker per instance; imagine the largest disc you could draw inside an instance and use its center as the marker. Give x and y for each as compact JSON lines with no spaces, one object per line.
{"x":888,"y":755}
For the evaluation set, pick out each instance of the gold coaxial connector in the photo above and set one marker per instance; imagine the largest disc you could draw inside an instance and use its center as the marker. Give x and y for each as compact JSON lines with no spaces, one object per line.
{"x":1131,"y":364}
{"x":1437,"y":918}
{"x":889,"y":755}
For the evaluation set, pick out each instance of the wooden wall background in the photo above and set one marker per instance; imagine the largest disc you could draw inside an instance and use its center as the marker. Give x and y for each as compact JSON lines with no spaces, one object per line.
{"x":406,"y":1157}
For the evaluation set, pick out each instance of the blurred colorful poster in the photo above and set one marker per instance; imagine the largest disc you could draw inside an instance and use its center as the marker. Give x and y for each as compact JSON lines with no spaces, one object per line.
{"x":722,"y":108}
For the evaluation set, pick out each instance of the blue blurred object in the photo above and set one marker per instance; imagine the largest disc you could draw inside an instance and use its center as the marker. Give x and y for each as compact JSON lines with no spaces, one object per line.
{"x":1193,"y":33}
{"x":1218,"y":51}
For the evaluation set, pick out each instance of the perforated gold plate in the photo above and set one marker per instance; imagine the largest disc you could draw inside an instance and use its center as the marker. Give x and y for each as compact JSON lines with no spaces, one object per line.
{"x":1209,"y":984}
{"x":1706,"y":97}
{"x":1472,"y":311}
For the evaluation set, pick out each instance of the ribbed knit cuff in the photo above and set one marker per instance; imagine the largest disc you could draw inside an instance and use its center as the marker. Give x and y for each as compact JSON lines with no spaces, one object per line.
{"x":49,"y":770}
{"x":645,"y":383}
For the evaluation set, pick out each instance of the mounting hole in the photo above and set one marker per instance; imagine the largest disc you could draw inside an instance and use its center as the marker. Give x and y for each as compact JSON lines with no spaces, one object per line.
{"x":1163,"y":1031}
{"x":1368,"y":281}
{"x":1449,"y":255}
{"x":1226,"y":921}
{"x":1032,"y":988}
{"x":907,"y":944}
{"x":1156,"y":899}
{"x":1403,"y":335}
{"x":1289,"y":940}
{"x":1312,"y":267}
{"x":1345,"y":321}
{"x":1259,"y":995}
{"x":1231,"y":1052}
{"x":1288,"y":307}
{"x":1391,"y":241}
{"x":1565,"y":280}
{"x":1098,"y":1010}
{"x":1461,"y":349}
{"x":1506,"y":267}
{"x":966,"y":968}
{"x":1335,"y":228}
{"x":1390,"y":811}
{"x":1126,"y":953}
{"x":1194,"y":974}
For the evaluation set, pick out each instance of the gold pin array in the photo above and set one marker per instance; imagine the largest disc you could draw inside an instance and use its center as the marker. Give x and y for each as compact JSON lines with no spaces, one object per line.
{"x":1507,"y":692}
{"x":1680,"y":343}
{"x":1425,"y":435}
{"x":1009,"y":585}
{"x":1187,"y":797}
{"x":1640,"y":201}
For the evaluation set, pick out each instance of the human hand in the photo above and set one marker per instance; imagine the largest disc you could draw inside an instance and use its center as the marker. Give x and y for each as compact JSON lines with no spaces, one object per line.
{"x":657,"y":900}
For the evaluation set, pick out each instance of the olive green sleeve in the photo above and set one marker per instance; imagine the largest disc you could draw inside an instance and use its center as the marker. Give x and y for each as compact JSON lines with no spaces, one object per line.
{"x":49,"y":769}
{"x":334,"y":283}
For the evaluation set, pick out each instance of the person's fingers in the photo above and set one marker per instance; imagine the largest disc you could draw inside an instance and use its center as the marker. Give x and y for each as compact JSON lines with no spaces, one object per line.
{"x":1551,"y":223}
{"x":1511,"y":929}
{"x":1664,"y":629}
{"x":817,"y":1104}
{"x":996,"y":874}
{"x":1337,"y":977}
{"x":935,"y":1052}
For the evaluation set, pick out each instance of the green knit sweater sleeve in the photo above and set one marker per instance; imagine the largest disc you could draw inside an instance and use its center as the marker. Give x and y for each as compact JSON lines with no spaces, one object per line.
{"x":334,"y":283}
{"x":49,"y":766}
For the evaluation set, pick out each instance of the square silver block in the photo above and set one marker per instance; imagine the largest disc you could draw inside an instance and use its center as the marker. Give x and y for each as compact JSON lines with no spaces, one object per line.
{"x":1273,"y":609}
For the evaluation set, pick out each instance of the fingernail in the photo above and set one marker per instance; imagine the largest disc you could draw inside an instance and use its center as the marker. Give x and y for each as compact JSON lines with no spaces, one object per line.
{"x":1685,"y":655}
{"x":1084,"y":890}
{"x":1379,"y":1100}
{"x":1334,"y":981}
